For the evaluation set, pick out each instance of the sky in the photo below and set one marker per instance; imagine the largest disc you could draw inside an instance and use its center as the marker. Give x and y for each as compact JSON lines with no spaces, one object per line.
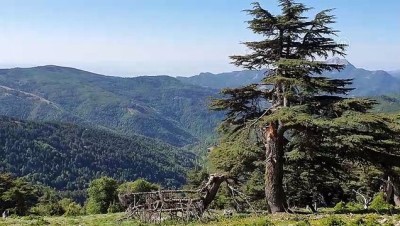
{"x":173,"y":37}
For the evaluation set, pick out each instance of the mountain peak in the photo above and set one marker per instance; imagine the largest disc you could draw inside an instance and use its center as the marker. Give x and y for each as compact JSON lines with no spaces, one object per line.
{"x":339,"y":61}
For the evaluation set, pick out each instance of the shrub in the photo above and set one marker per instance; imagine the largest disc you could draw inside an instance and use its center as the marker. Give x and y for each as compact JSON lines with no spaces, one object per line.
{"x":303,"y":223}
{"x":333,"y":221}
{"x":340,"y":207}
{"x":367,"y":220}
{"x":64,"y":203}
{"x":354,"y":207}
{"x":73,"y":209}
{"x":70,"y":207}
{"x":47,"y":209}
{"x":379,"y":204}
{"x":114,"y":208}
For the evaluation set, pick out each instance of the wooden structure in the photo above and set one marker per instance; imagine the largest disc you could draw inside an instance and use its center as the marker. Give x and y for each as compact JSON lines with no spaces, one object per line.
{"x":154,"y":207}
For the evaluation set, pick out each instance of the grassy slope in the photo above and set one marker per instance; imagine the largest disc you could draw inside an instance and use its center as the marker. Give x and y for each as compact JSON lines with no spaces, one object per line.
{"x":278,"y":220}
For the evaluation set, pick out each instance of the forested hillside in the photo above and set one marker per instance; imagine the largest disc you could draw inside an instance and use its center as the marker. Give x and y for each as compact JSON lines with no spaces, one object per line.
{"x":172,"y":110}
{"x":66,"y":156}
{"x":160,"y":107}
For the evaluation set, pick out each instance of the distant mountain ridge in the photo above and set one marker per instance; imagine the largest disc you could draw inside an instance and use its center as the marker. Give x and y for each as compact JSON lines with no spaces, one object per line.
{"x":224,"y":80}
{"x":395,"y":73}
{"x":366,"y":83}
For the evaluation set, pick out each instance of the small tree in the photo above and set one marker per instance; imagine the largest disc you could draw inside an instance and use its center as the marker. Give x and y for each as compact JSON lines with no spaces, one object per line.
{"x":102,"y":193}
{"x":16,"y":194}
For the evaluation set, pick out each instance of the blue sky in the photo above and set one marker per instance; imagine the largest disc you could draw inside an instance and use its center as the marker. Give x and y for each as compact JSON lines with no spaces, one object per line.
{"x":175,"y":37}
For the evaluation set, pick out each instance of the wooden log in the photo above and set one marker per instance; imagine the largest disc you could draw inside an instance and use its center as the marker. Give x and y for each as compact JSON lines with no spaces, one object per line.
{"x":166,"y":191}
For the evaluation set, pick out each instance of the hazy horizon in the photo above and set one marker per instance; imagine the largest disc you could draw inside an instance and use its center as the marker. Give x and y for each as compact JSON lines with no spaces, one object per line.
{"x":172,"y":37}
{"x":161,"y":74}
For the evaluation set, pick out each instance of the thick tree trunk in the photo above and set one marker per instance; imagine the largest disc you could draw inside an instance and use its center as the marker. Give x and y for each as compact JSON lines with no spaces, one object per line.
{"x":392,"y":188}
{"x":274,"y":193}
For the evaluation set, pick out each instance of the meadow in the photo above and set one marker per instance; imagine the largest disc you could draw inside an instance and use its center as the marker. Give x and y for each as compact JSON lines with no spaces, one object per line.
{"x":237,"y":220}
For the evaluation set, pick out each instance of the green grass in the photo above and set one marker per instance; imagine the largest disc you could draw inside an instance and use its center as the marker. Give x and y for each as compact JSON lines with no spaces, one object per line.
{"x":278,"y":220}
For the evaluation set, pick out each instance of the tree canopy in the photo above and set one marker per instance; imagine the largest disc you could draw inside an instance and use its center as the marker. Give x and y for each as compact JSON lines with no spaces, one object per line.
{"x":297,"y":115}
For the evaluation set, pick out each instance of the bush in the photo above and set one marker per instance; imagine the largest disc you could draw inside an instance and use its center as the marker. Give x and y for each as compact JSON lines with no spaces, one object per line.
{"x":333,"y":221}
{"x":367,"y":220}
{"x":303,"y":223}
{"x":379,"y":204}
{"x":73,"y":209}
{"x":340,"y":207}
{"x":47,"y":209}
{"x":354,"y":207}
{"x":70,"y":207}
{"x":114,"y":208}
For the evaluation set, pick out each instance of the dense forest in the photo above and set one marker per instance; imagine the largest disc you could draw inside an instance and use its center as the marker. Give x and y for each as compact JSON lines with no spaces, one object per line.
{"x":68,"y":157}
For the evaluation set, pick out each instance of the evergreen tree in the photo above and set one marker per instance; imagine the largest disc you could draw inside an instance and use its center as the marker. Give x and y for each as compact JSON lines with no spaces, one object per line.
{"x":296,"y":111}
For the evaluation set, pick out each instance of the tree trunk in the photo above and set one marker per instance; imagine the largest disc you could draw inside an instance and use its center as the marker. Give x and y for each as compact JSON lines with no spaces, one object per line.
{"x":211,"y":188}
{"x":389,"y":191}
{"x":396,"y":190}
{"x":274,"y":193}
{"x":392,"y":188}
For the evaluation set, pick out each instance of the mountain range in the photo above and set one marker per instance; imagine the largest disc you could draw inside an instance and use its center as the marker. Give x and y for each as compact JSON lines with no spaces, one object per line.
{"x":64,"y":127}
{"x":366,"y":82}
{"x":158,"y":107}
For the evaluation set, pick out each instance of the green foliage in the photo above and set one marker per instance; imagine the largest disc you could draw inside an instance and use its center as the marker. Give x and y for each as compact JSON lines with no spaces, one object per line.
{"x":47,"y":209}
{"x":139,"y":185}
{"x":195,"y":178}
{"x":333,"y":221}
{"x":303,"y":223}
{"x":340,"y":207}
{"x":160,"y":107}
{"x":115,"y":208}
{"x":350,"y":207}
{"x":379,"y":204}
{"x":17,"y":195}
{"x":302,"y":119}
{"x":354,"y":207}
{"x":102,"y":193}
{"x":73,"y":209}
{"x":221,"y":201}
{"x":70,"y":207}
{"x":48,"y":204}
{"x":67,"y":157}
{"x":239,"y":220}
{"x":368,"y":220}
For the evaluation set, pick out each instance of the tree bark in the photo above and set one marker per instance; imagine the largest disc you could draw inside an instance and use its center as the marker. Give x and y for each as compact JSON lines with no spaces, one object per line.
{"x":388,"y":191}
{"x":211,"y":188}
{"x":396,"y":189}
{"x":274,"y":192}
